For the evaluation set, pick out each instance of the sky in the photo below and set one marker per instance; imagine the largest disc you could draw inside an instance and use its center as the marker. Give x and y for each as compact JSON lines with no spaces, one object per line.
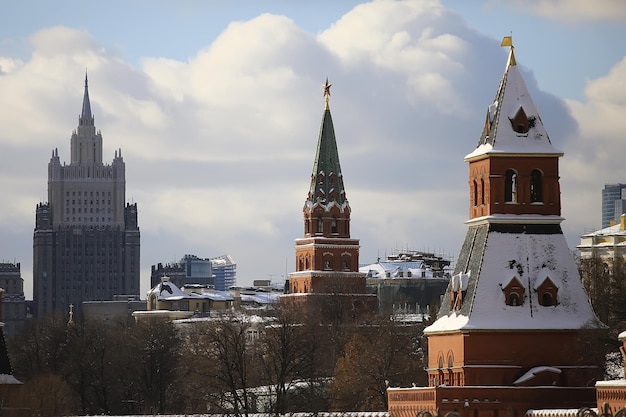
{"x":217,"y":105}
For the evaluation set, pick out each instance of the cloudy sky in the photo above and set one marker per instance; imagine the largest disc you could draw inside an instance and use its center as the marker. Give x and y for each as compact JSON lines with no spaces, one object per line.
{"x":217,"y":104}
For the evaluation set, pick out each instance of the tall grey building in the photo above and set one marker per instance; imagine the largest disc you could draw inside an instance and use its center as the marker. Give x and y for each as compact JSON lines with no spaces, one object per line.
{"x":613,"y":203}
{"x":86,"y":238}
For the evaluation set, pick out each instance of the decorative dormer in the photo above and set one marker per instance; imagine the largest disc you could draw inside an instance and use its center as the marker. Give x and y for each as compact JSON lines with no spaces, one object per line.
{"x":513,"y":291}
{"x":520,"y":122}
{"x":547,"y":290}
{"x":458,"y":289}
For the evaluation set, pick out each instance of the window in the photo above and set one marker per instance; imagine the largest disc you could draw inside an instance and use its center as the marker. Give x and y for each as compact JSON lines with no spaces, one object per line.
{"x":510,"y":186}
{"x":320,"y":225}
{"x":333,"y":225}
{"x":482,"y":191}
{"x":520,"y":122}
{"x":513,"y":299}
{"x":514,"y":292}
{"x":547,"y":293}
{"x":546,"y":299}
{"x":475,"y":193}
{"x":536,"y":192}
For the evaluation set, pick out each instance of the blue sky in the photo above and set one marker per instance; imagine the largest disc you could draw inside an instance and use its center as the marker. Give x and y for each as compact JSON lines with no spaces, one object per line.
{"x":216,"y":106}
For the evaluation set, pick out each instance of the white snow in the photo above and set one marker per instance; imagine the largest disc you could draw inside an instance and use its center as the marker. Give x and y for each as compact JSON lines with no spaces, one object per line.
{"x":533,"y":373}
{"x":507,"y":140}
{"x":535,"y":255}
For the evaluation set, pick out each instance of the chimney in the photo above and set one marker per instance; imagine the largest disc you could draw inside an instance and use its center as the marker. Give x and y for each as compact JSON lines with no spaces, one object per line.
{"x":622,"y":222}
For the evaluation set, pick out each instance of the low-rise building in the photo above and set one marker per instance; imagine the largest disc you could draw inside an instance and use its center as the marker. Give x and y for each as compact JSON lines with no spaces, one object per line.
{"x":408,"y":282}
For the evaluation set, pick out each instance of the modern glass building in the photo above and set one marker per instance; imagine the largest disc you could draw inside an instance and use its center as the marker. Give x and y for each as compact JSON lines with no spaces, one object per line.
{"x":613,"y":203}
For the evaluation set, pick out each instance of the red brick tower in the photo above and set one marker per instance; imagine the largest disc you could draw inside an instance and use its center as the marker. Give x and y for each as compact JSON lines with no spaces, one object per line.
{"x":327,"y":258}
{"x":509,"y":334}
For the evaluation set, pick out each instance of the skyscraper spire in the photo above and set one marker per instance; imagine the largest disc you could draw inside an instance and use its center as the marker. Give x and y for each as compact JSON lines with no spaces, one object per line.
{"x":86,"y":118}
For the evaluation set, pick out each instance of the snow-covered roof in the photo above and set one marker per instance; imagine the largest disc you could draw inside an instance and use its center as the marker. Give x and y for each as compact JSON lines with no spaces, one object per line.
{"x":417,"y":269}
{"x":614,"y":230}
{"x":7,"y":379}
{"x":533,"y":372}
{"x":261,"y":297}
{"x":168,"y":291}
{"x":499,"y":135}
{"x":532,"y":257}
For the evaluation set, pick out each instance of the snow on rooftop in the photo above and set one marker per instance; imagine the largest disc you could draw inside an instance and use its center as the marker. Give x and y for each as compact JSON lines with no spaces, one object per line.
{"x":6,"y":379}
{"x":532,"y":255}
{"x":607,"y":231}
{"x":532,"y":373}
{"x":507,"y":140}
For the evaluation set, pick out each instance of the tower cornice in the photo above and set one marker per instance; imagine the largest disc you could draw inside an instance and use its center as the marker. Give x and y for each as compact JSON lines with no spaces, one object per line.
{"x":515,"y":219}
{"x":497,"y":154}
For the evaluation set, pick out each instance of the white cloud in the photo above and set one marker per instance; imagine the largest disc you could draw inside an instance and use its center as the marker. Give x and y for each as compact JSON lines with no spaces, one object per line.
{"x":569,"y":11}
{"x":219,"y":148}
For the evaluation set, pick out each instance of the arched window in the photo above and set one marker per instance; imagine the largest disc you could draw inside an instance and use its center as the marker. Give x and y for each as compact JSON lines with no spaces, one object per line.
{"x":513,"y":299}
{"x":333,"y":225}
{"x":546,"y":299}
{"x":320,"y":225}
{"x":482,"y":191}
{"x":510,"y":186}
{"x":536,"y":189}
{"x":327,"y":264}
{"x":475,"y":193}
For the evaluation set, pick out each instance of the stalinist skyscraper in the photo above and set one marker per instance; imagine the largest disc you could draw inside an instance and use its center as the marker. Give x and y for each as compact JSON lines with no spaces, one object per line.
{"x":86,"y":238}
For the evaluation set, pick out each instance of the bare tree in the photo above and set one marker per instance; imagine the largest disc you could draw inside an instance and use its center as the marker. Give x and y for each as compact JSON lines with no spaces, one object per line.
{"x":285,"y":353}
{"x":223,"y":369}
{"x":382,"y":354}
{"x":156,"y":349}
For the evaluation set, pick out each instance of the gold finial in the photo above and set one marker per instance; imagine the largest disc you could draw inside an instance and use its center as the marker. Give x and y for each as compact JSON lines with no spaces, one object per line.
{"x":508,"y":41}
{"x":326,"y":87}
{"x":71,"y":320}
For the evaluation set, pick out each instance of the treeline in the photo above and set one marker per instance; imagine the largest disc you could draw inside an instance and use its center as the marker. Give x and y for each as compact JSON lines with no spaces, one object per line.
{"x":232,"y":364}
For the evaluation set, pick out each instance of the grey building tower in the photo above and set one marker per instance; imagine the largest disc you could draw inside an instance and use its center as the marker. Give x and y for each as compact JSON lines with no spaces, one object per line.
{"x":86,"y":238}
{"x":613,"y":203}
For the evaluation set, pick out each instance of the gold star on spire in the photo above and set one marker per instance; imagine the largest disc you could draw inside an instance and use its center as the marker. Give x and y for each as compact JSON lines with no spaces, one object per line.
{"x":326,"y":87}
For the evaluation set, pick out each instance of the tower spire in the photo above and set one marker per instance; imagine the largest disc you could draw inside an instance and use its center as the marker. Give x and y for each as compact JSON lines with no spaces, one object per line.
{"x":86,"y":118}
{"x":326,"y":179}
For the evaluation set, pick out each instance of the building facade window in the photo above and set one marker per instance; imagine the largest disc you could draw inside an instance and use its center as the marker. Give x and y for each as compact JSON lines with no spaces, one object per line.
{"x":536,"y":186}
{"x":510,"y":186}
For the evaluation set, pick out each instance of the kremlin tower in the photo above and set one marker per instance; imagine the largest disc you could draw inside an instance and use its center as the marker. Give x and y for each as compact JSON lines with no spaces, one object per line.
{"x":509,"y":334}
{"x":327,"y":275}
